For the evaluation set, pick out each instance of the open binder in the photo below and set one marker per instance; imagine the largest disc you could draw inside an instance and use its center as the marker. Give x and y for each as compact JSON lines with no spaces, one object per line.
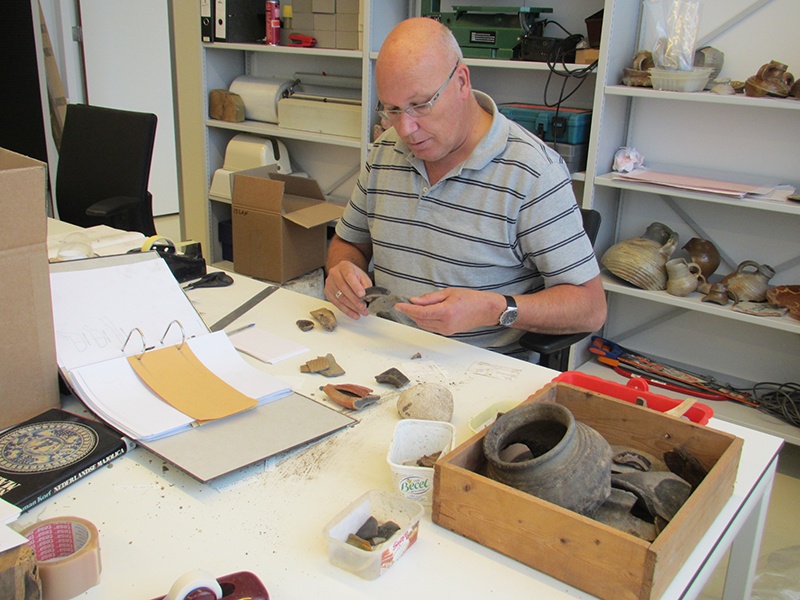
{"x":110,"y":312}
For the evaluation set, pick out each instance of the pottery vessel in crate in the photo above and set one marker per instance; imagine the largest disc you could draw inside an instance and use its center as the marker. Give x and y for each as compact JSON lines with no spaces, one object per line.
{"x":642,"y":261}
{"x":541,"y":449}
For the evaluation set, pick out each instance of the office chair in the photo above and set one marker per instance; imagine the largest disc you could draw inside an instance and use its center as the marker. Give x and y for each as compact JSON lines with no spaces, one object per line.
{"x":553,"y":349}
{"x":104,"y":168}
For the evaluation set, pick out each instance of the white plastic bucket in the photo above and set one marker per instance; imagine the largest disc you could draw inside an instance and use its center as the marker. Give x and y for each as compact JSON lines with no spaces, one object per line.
{"x":413,"y":439}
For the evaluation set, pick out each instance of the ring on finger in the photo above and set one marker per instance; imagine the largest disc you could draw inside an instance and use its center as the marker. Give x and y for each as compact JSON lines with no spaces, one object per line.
{"x":338,"y":294}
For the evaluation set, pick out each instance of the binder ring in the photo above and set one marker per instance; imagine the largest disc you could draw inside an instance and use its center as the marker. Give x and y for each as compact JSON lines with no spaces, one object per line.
{"x":141,"y":335}
{"x":183,"y":332}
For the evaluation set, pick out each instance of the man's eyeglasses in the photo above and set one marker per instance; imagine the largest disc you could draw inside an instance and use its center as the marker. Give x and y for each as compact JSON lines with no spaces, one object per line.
{"x":415,"y":110}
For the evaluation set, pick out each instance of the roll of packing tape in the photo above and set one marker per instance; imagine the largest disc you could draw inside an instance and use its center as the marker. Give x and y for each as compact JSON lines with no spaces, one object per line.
{"x":67,"y":553}
{"x":193,"y":581}
{"x":260,"y":96}
{"x":155,"y":239}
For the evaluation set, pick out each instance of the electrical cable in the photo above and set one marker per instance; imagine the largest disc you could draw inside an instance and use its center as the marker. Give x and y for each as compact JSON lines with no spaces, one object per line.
{"x":781,"y":400}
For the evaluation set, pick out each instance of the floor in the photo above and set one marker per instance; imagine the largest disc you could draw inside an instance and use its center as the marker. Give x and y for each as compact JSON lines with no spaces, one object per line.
{"x":778,"y":573}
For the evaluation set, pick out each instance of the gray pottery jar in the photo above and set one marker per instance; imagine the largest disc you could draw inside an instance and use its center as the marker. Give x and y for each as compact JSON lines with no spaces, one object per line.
{"x":566,"y":462}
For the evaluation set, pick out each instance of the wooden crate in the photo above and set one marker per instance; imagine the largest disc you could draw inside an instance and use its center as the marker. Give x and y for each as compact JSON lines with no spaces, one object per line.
{"x":577,"y":550}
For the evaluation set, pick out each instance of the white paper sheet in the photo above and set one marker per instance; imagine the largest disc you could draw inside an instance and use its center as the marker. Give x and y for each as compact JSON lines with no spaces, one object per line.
{"x":265,"y":345}
{"x":94,"y":310}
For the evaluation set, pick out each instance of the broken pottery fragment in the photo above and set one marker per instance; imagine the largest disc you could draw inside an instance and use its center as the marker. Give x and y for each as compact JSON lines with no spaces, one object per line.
{"x":372,"y":533}
{"x":380,"y":302}
{"x":326,"y":318}
{"x":393,"y":377}
{"x":616,"y":512}
{"x":662,"y":492}
{"x":681,"y":462}
{"x":350,"y":395}
{"x":428,"y":401}
{"x":305,"y":325}
{"x":324,"y":365}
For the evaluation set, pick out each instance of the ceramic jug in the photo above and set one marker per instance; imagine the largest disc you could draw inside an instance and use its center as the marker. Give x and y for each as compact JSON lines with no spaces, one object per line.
{"x":641,"y":261}
{"x":682,"y":277}
{"x":705,"y":254}
{"x":750,"y":281}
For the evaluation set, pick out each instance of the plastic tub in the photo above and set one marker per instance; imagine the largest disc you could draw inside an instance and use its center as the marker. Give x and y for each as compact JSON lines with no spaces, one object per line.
{"x":413,"y":439}
{"x":636,"y":388}
{"x":384,"y":506}
{"x":680,"y":81}
{"x":489,"y":414}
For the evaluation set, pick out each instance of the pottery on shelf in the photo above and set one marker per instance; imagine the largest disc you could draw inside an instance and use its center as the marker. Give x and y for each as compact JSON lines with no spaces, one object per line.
{"x":705,"y":254}
{"x":540,"y":449}
{"x":772,"y":79}
{"x":682,"y":277}
{"x":641,"y":261}
{"x":750,"y":281}
{"x":717,"y":293}
{"x":787,"y":296}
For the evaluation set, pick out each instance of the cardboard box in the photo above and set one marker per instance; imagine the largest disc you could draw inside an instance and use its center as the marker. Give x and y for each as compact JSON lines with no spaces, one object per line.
{"x":347,"y":7}
{"x":323,"y":6}
{"x":577,"y":550}
{"x":347,"y":22}
{"x":348,"y":40}
{"x":28,"y":368}
{"x":324,"y":22}
{"x":586,"y":56}
{"x":279,"y":224}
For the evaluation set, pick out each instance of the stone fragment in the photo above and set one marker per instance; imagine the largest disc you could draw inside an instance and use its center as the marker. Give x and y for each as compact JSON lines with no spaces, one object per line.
{"x":429,"y":401}
{"x":324,"y":365}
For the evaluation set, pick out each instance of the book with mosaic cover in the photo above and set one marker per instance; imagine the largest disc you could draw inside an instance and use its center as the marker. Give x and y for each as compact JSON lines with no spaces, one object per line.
{"x":47,"y":453}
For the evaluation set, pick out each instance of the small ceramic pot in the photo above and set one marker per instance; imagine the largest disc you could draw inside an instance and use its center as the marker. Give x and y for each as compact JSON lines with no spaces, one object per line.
{"x":718,"y":294}
{"x":705,"y":254}
{"x":682,"y":277}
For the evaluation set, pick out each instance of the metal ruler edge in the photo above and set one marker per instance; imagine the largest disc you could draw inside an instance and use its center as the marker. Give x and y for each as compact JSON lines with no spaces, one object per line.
{"x":243,"y":308}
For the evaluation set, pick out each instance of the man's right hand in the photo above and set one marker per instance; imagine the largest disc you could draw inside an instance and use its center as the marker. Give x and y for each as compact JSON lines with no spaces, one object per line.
{"x":345,"y":286}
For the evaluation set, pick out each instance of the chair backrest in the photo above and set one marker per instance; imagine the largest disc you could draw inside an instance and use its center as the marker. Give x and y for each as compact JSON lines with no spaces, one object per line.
{"x":591,"y":223}
{"x":104,"y":153}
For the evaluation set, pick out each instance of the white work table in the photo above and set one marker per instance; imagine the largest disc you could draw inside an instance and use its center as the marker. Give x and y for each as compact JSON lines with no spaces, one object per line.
{"x":155,"y":522}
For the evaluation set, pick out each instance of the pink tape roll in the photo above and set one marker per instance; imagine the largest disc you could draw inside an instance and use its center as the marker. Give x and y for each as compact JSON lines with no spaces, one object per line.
{"x":67,"y":552}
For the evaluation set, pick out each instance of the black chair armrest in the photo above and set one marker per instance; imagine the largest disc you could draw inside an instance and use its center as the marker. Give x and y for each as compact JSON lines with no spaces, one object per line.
{"x":553,"y":349}
{"x":111,"y":207}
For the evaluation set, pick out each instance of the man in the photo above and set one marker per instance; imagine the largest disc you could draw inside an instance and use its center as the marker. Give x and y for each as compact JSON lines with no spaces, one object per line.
{"x":461,"y":210}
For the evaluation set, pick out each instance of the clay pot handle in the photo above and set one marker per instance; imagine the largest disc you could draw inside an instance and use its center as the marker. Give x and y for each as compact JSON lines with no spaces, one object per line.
{"x":695,"y":270}
{"x":748,"y":263}
{"x":772,"y":70}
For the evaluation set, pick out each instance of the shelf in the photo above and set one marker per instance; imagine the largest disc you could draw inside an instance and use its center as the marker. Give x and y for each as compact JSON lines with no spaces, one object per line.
{"x":732,"y":412}
{"x":707,"y":97}
{"x":782,"y":206}
{"x":516,"y":65}
{"x":693,"y":302}
{"x":270,"y":129}
{"x":315,"y":52}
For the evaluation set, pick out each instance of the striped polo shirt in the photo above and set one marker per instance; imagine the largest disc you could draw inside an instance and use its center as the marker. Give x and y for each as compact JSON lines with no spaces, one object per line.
{"x":505,"y":220}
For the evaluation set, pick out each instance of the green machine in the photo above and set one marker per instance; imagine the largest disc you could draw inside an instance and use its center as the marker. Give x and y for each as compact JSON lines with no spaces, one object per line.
{"x":487,"y":31}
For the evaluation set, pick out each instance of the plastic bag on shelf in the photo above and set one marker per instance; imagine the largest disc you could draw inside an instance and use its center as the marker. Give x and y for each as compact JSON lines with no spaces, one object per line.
{"x":669,"y":31}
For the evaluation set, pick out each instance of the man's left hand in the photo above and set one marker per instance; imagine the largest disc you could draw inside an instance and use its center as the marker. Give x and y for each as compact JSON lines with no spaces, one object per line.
{"x":453,"y":310}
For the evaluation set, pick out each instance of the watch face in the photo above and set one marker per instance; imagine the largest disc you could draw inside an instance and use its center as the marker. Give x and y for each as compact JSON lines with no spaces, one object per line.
{"x":508,"y":317}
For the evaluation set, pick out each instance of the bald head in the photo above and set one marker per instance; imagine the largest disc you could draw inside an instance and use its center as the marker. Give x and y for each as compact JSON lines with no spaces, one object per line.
{"x":418,"y":44}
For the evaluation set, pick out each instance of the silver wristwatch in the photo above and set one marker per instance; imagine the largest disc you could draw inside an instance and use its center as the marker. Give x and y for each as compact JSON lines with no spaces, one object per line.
{"x":510,"y":314}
